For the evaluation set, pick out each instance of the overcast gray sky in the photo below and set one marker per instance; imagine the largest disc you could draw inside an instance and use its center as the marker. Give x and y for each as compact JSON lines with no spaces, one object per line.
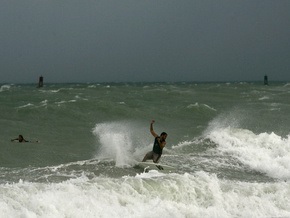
{"x":144,"y":40}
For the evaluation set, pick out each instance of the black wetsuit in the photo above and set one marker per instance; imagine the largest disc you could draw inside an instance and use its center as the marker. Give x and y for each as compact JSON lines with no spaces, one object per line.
{"x":156,"y":147}
{"x":156,"y":152}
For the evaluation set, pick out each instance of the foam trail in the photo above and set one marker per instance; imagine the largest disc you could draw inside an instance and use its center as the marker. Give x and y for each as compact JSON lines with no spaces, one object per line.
{"x":27,"y":105}
{"x":116,"y":143}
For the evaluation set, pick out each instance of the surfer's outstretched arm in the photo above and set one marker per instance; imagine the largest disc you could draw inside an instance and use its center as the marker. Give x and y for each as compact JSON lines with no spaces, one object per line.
{"x":151,"y":129}
{"x":21,"y":139}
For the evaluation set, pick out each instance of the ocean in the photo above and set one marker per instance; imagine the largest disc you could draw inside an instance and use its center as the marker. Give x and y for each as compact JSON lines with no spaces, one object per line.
{"x":228,"y":142}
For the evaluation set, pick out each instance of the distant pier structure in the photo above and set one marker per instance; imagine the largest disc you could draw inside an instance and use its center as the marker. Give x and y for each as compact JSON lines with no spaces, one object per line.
{"x":40,"y":82}
{"x":266,"y":80}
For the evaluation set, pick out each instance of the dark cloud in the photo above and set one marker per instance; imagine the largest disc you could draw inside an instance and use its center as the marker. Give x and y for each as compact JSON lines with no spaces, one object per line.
{"x":148,"y":40}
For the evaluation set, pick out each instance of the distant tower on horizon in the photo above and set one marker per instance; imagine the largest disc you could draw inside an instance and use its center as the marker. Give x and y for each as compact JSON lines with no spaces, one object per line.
{"x":40,"y":82}
{"x":266,"y":80}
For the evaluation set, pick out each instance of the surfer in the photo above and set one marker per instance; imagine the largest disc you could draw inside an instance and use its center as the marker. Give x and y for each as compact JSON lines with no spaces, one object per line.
{"x":20,"y":139}
{"x":159,"y":144}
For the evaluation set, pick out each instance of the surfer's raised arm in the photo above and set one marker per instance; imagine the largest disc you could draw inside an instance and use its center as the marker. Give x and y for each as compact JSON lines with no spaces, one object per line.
{"x":151,"y":129}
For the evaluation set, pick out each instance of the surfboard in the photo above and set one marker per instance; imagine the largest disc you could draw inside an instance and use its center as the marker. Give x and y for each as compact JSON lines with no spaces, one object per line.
{"x":146,"y":166}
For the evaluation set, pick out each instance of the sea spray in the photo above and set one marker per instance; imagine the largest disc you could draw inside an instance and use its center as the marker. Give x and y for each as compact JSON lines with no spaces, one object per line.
{"x":115,"y":142}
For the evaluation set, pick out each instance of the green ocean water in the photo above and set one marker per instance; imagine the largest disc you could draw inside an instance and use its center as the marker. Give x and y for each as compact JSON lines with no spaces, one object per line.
{"x":227,"y":136}
{"x":62,"y":116}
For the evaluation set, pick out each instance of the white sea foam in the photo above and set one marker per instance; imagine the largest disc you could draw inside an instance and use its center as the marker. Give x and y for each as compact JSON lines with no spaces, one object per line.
{"x":44,"y":102}
{"x":26,"y":105}
{"x":209,"y":107}
{"x":264,"y":98}
{"x":4,"y":88}
{"x":266,"y":152}
{"x":146,"y":195}
{"x":197,"y":105}
{"x":63,"y":102}
{"x":182,"y":144}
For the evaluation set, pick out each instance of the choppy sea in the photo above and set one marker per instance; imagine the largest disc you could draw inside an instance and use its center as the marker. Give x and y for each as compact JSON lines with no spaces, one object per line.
{"x":229,"y":144}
